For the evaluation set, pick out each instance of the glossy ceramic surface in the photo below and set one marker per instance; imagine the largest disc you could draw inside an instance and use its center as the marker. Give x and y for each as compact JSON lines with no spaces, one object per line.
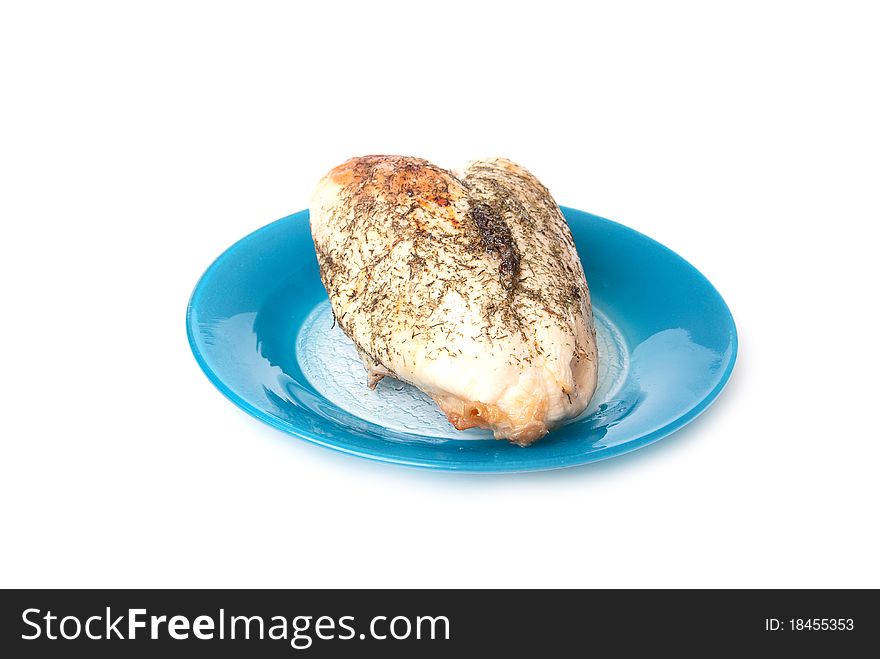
{"x":259,"y":325}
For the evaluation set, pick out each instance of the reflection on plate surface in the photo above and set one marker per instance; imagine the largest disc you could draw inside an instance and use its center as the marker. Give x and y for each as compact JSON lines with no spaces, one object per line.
{"x":260,"y":326}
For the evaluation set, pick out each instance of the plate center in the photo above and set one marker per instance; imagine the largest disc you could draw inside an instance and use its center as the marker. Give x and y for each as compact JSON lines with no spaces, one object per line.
{"x":330,"y":363}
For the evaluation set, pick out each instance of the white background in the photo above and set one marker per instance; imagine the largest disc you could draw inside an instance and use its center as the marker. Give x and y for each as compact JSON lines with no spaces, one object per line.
{"x":139,"y":140}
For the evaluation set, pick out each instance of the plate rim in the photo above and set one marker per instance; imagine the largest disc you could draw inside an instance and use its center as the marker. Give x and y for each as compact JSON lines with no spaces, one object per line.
{"x":545,"y":464}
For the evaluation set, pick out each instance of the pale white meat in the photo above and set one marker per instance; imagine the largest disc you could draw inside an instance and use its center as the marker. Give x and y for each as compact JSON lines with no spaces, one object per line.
{"x":468,"y":287}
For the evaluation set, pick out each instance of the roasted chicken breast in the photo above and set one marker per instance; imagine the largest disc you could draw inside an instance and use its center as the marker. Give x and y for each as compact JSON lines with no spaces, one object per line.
{"x":467,"y":286}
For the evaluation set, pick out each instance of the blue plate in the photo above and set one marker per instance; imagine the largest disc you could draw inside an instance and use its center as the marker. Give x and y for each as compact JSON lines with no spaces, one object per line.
{"x":259,"y":325}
